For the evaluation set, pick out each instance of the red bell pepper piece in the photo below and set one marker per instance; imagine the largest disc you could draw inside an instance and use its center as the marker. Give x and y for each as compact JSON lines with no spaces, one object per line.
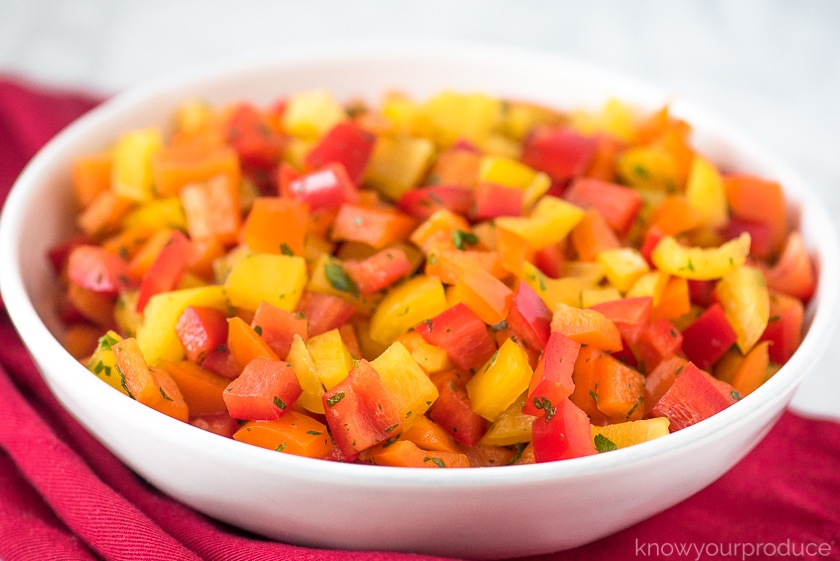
{"x":265,"y":390}
{"x":98,"y":270}
{"x":59,"y":253}
{"x":551,"y":260}
{"x":423,"y":202}
{"x":379,"y":271}
{"x":529,"y":318}
{"x":659,"y":341}
{"x":328,"y":188}
{"x":561,"y":153}
{"x":793,"y":274}
{"x":219,"y":423}
{"x":619,"y":205}
{"x":250,"y":134}
{"x":630,"y":315}
{"x":166,"y":270}
{"x":324,"y":311}
{"x":452,"y":411}
{"x":562,"y":433}
{"x":462,"y":334}
{"x":661,"y":378}
{"x":346,"y":143}
{"x":201,"y":330}
{"x":784,"y":330}
{"x":702,"y":292}
{"x":694,"y":396}
{"x":761,"y":235}
{"x":278,"y":327}
{"x":708,"y":338}
{"x":552,"y":380}
{"x":359,"y":411}
{"x":652,"y":237}
{"x":220,"y":361}
{"x":377,"y":227}
{"x":492,"y":201}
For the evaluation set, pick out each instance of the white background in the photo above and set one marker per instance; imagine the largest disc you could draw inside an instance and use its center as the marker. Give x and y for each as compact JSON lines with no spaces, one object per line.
{"x":772,"y":67}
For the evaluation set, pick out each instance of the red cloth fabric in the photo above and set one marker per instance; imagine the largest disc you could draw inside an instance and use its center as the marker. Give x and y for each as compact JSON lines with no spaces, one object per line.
{"x":64,"y":496}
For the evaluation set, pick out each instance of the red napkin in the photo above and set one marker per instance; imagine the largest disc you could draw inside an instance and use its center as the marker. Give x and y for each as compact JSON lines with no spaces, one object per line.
{"x":64,"y":496}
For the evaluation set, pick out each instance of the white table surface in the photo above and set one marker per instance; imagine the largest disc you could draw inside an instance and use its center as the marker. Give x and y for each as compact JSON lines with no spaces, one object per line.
{"x":772,"y":67}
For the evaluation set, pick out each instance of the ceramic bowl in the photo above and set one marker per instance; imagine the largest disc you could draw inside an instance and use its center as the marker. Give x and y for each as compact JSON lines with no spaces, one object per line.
{"x":480,"y":513}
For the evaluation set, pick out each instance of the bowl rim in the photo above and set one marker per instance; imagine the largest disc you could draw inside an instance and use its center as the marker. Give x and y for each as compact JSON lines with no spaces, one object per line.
{"x":32,"y":328}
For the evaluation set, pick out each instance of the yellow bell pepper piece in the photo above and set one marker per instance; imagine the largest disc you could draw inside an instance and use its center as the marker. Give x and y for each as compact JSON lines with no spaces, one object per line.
{"x":648,"y":167}
{"x":695,"y":263}
{"x":397,"y":164}
{"x":158,"y":213}
{"x":452,"y":116}
{"x":706,"y":194}
{"x":156,"y":335}
{"x":402,"y":113}
{"x":550,"y":222}
{"x":566,"y":290}
{"x":500,"y":381}
{"x":307,"y":374}
{"x":405,"y":306}
{"x":505,"y":171}
{"x":429,"y":357}
{"x":591,"y":296}
{"x":589,"y":270}
{"x":650,"y":284}
{"x":131,"y":174}
{"x":409,"y":386}
{"x":103,"y":362}
{"x":265,"y":277}
{"x":312,"y":114}
{"x":616,"y":119}
{"x":331,"y":356}
{"x":296,"y":150}
{"x":126,"y":316}
{"x":745,"y":299}
{"x":511,"y":427}
{"x":623,"y":266}
{"x":629,"y":433}
{"x":193,"y":115}
{"x":497,"y":144}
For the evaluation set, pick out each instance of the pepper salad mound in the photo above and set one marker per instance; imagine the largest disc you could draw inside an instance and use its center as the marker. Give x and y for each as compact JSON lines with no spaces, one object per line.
{"x":451,"y":282}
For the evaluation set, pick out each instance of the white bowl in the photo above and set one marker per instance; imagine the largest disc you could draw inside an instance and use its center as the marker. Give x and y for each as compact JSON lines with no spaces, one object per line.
{"x":482,"y":513}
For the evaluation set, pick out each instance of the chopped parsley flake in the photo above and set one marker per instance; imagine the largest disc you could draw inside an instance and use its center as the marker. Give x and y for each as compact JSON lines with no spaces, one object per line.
{"x":437,"y":461}
{"x":339,"y":279}
{"x":604,"y":444}
{"x":332,"y":400}
{"x":461,"y":239}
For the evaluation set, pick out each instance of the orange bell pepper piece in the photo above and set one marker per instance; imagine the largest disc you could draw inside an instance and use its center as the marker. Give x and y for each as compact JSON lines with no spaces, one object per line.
{"x":293,"y":433}
{"x":593,"y":235}
{"x":277,"y":225}
{"x":91,"y":176}
{"x":245,"y":344}
{"x":587,"y":327}
{"x":376,"y":227}
{"x":404,"y":453}
{"x":150,"y":386}
{"x":212,"y":209}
